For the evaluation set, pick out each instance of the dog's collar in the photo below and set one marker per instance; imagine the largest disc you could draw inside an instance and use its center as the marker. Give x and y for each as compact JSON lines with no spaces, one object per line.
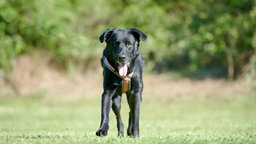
{"x":125,"y":80}
{"x":112,"y":69}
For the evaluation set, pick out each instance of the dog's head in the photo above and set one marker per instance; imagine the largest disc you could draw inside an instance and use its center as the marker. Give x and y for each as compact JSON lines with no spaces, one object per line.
{"x":122,"y":45}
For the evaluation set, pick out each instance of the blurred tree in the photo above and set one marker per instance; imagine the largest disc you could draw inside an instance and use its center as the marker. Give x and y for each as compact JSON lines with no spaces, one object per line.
{"x":202,"y":35}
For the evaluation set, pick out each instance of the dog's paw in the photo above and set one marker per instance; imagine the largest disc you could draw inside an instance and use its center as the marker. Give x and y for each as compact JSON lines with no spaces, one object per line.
{"x":134,"y":134}
{"x":120,"y":134}
{"x":101,"y":132}
{"x":129,"y":131}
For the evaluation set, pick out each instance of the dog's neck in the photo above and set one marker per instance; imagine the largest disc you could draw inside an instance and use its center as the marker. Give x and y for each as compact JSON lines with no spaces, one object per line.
{"x":131,"y":67}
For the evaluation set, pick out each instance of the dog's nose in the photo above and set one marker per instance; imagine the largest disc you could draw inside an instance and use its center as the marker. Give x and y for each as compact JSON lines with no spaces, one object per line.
{"x":122,"y":57}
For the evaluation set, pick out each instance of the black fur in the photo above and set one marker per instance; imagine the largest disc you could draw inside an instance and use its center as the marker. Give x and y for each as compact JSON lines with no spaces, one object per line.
{"x":122,"y":47}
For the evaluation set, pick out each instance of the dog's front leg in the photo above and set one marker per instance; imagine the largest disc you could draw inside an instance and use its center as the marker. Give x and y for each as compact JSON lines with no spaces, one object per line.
{"x":134,"y":104}
{"x":136,"y":115}
{"x":106,"y":103}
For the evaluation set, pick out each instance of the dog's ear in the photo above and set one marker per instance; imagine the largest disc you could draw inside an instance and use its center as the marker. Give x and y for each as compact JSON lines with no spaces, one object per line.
{"x":138,"y":34}
{"x":106,"y":35}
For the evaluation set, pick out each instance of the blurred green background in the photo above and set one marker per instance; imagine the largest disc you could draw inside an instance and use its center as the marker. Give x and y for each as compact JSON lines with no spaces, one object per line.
{"x":200,"y":70}
{"x":202,"y":38}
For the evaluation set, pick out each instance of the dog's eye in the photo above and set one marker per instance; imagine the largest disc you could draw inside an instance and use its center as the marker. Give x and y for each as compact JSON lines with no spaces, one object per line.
{"x":128,"y":43}
{"x":117,"y":43}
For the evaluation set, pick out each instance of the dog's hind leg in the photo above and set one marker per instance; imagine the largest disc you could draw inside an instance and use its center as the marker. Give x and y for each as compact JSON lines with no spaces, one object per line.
{"x":116,"y":106}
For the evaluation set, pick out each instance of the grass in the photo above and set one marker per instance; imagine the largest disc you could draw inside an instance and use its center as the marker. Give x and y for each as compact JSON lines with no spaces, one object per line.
{"x":37,"y":119}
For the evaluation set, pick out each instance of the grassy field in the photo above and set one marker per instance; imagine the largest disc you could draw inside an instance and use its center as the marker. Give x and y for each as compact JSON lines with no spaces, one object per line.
{"x":37,"y":119}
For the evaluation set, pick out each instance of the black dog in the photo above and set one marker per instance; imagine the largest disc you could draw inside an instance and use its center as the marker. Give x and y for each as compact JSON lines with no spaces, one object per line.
{"x":122,"y":71}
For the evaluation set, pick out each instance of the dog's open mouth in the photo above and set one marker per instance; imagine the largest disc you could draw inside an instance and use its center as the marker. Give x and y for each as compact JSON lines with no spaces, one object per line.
{"x":123,"y":70}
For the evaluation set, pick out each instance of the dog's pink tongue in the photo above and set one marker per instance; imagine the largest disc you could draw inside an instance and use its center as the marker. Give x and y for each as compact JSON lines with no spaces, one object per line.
{"x":123,"y":70}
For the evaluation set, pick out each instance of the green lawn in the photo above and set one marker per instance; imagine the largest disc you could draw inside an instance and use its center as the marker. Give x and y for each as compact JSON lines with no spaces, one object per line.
{"x":36,"y":119}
